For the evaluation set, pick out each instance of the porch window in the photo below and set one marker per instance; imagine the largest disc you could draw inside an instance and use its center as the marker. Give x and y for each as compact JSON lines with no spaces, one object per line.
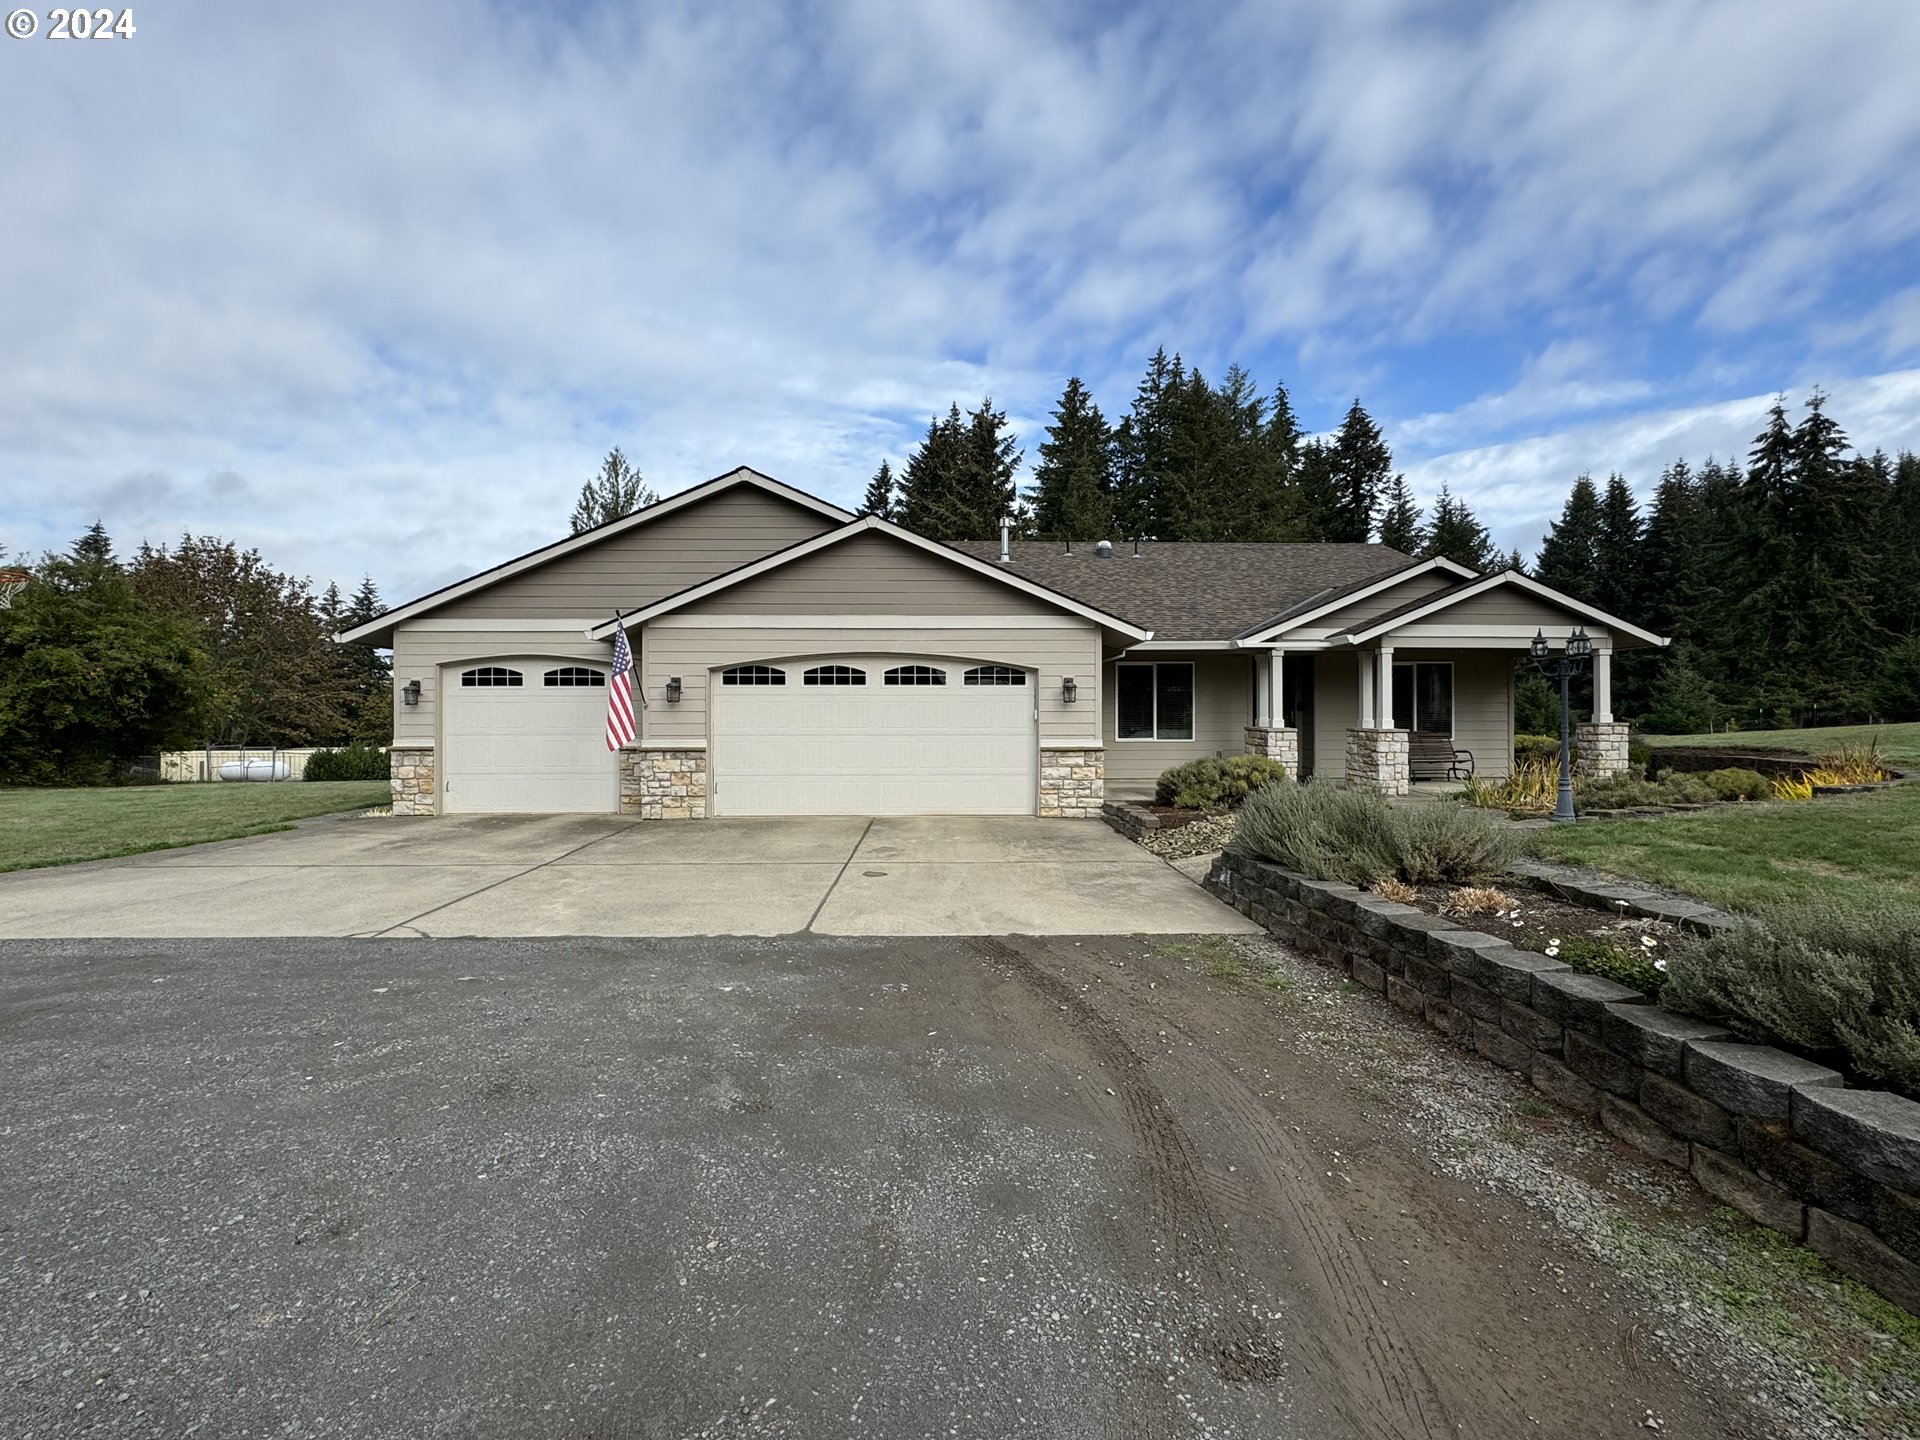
{"x":1154,"y":702}
{"x":1423,"y":696}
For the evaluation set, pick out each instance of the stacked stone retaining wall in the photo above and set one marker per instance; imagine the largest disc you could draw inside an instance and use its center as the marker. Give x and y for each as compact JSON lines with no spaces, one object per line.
{"x":1778,"y":1137}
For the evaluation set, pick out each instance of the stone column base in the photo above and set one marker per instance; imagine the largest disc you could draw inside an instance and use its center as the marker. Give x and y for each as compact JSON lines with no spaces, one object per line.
{"x":1599,"y":749}
{"x":410,"y":768}
{"x":1377,"y":760}
{"x":664,"y":784}
{"x":1073,"y":783}
{"x":1276,"y":743}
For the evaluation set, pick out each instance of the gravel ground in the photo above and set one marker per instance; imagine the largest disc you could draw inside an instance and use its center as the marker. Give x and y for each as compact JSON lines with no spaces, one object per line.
{"x":1201,"y":837}
{"x":1730,"y":1302}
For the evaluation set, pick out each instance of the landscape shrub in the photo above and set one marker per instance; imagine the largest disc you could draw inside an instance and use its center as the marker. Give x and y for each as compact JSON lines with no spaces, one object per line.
{"x":1451,"y":845}
{"x":1320,"y":830}
{"x":1536,"y":747}
{"x":1530,"y":788}
{"x":1623,"y":792}
{"x":1216,"y":784}
{"x":1817,"y":976}
{"x":1736,"y":784}
{"x":354,"y":762}
{"x":1634,"y":967}
{"x":1328,"y":833}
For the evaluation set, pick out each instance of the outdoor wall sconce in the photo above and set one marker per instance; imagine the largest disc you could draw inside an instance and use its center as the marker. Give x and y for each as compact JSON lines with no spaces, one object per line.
{"x":410,"y":693}
{"x":673,"y":690}
{"x":1069,"y":692}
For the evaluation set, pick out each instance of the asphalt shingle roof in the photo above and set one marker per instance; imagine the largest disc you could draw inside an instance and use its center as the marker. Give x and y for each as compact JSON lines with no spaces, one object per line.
{"x":1195,"y":590}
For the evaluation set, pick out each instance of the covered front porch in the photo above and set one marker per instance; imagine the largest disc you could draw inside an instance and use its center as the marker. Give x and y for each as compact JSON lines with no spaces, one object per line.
{"x":1422,"y":693}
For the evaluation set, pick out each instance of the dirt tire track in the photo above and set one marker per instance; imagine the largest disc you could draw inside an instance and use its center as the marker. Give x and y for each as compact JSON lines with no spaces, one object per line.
{"x":1369,"y":1370}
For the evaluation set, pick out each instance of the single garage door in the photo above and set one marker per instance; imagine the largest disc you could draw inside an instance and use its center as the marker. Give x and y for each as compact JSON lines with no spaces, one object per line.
{"x":526,"y":736}
{"x":873,"y":735}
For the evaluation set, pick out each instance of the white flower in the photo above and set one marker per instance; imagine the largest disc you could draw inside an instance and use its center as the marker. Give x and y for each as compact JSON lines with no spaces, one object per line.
{"x":1661,"y":964}
{"x":1648,"y":941}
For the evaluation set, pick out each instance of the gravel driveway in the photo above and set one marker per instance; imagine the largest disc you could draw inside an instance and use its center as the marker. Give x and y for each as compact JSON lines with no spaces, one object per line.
{"x":1108,"y":1187}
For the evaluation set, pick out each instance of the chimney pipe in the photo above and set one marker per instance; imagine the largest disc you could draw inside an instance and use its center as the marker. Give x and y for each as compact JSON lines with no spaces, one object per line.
{"x":1006,"y":550}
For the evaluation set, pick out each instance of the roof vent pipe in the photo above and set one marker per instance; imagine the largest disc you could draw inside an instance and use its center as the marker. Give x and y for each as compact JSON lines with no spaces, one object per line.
{"x":1136,"y":547}
{"x":1006,"y":550}
{"x":1104,"y":550}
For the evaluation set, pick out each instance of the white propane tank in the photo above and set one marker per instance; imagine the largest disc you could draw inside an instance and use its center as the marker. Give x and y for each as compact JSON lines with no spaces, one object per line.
{"x":255,"y":770}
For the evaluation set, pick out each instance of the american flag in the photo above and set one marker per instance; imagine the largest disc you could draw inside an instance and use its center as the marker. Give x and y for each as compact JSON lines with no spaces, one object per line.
{"x":620,"y":693}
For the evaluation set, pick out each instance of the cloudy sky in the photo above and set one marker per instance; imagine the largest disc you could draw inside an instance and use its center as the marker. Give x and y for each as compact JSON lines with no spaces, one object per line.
{"x":374,"y":286}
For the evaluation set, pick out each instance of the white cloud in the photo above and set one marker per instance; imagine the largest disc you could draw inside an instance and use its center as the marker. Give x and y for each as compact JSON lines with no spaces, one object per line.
{"x":374,"y":286}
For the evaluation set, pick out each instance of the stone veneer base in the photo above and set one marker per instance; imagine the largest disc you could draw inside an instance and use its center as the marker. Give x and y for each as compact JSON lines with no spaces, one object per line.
{"x":663,"y":784}
{"x":1378,"y":760}
{"x":410,"y":769}
{"x":1599,"y":749}
{"x":1276,"y":743}
{"x":1072,"y":783}
{"x":1775,"y":1136}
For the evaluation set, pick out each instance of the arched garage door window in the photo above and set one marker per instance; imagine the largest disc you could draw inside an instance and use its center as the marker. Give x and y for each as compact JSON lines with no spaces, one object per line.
{"x":834,"y":675}
{"x":490,"y":675}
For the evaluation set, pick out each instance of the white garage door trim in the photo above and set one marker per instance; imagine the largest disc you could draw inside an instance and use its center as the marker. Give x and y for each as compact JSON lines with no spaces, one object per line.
{"x":528,"y":748}
{"x":874,"y":748}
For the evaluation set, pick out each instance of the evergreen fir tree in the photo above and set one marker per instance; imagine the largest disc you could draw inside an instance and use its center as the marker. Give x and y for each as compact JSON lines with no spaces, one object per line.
{"x":879,"y":499}
{"x":1318,"y":492}
{"x":1834,"y":518}
{"x":1899,"y":584}
{"x":929,"y":501}
{"x":1360,"y":463}
{"x":1400,"y":527}
{"x":615,"y":493}
{"x":1457,"y":534}
{"x":1763,"y":622}
{"x":1568,"y":555}
{"x":1616,"y":549}
{"x":1516,"y":561}
{"x":1142,"y":450}
{"x":1073,"y":483}
{"x":93,"y":551}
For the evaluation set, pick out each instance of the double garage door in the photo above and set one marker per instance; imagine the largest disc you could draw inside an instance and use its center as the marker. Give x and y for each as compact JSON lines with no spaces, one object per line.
{"x":872,"y":735}
{"x":837,"y":735}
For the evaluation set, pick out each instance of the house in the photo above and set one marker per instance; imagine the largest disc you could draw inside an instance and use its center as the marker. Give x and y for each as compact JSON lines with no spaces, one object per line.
{"x":793,"y":658}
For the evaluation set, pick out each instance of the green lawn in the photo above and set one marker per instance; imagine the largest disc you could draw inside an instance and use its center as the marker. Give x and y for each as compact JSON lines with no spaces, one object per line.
{"x":1897,"y":742}
{"x":1743,"y":856}
{"x":58,"y":827}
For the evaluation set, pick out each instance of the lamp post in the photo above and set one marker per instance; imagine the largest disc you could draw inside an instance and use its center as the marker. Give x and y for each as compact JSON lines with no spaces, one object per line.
{"x":1578,"y":652}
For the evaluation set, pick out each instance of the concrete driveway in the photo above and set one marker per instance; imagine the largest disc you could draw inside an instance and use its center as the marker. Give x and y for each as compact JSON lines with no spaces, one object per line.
{"x":588,"y":875}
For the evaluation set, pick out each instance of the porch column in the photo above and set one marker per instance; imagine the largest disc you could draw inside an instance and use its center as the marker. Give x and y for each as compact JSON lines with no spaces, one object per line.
{"x":1364,"y":716}
{"x":1268,"y":735}
{"x":1383,"y":690}
{"x":1600,"y":745}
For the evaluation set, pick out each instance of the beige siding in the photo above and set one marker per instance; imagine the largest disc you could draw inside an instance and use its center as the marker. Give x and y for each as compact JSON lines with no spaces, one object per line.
{"x":648,"y":562}
{"x":1508,"y":606}
{"x":1222,"y":710}
{"x":1482,"y":705}
{"x":874,"y":575}
{"x":1054,"y":648}
{"x":420,"y":654}
{"x":1336,"y":705}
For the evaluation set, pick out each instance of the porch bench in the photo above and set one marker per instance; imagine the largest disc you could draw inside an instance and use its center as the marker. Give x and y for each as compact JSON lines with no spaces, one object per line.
{"x":1432,"y":755}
